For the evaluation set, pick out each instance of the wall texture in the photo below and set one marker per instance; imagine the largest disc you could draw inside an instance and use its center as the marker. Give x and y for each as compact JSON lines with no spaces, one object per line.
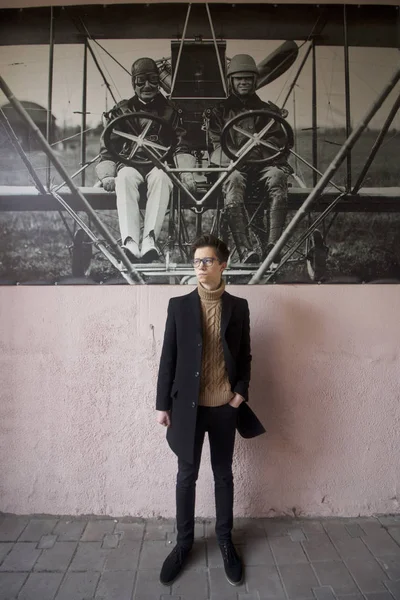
{"x":77,"y":421}
{"x":77,"y":379}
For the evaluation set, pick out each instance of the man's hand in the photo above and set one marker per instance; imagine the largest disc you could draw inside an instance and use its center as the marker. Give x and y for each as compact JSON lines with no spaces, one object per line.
{"x":108,"y":184}
{"x":236,"y":401}
{"x":189,"y":182}
{"x":163,"y":417}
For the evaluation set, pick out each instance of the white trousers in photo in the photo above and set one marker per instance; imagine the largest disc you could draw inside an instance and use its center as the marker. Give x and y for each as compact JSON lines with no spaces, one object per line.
{"x":159,"y":188}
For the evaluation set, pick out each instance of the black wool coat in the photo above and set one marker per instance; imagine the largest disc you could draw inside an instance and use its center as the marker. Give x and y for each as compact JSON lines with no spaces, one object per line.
{"x":178,"y":384}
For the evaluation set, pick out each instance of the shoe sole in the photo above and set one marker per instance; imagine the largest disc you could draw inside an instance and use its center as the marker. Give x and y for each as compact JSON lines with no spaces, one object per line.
{"x":130,"y":255}
{"x":233,"y":583}
{"x":150,"y":256}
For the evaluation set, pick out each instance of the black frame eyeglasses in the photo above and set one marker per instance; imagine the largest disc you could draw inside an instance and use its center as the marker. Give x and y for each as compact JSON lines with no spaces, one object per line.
{"x":207,"y":261}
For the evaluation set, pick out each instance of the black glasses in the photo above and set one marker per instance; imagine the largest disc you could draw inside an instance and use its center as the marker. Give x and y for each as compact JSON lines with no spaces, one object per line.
{"x":152,"y":78}
{"x":208,"y":261}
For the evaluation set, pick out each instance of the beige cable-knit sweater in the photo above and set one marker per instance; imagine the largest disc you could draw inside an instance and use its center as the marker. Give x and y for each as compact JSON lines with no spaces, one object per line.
{"x":215,"y":388}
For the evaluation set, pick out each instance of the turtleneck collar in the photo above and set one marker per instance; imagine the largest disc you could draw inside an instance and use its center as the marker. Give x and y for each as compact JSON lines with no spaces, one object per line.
{"x":210,"y":295}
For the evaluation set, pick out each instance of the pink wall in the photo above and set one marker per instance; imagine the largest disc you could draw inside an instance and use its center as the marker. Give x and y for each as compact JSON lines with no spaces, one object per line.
{"x":77,"y":421}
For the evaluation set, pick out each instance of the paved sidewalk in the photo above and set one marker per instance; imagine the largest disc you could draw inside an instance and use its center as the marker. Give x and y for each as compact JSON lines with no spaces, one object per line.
{"x":51,"y":558}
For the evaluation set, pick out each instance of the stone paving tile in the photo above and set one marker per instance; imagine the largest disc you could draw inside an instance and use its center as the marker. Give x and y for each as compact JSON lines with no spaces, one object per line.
{"x":158,"y":530}
{"x":297,"y":535}
{"x":11,"y":528}
{"x":352,"y":548}
{"x":90,"y":556}
{"x":299,"y":579}
{"x":354,"y":530}
{"x":111,"y":540}
{"x":220,"y":588}
{"x":351,"y":597}
{"x":390,"y":520}
{"x":96,"y":530}
{"x":197,"y":557}
{"x":248,"y":528}
{"x":381,"y":544}
{"x":265,"y":581}
{"x":123,"y":558}
{"x":319,"y":547}
{"x":56,"y":558}
{"x":253,"y":596}
{"x":335,"y":574}
{"x":5,"y":548}
{"x":395,"y":533}
{"x":336,"y":530}
{"x":286,"y":551}
{"x":311,"y":526}
{"x":209,"y":527}
{"x":47,"y":541}
{"x":78,"y":586}
{"x":192,"y":585}
{"x":10,"y":584}
{"x":379,"y":596}
{"x":324,"y":593}
{"x":153,"y":554}
{"x":368,"y":574}
{"x":277,"y":527}
{"x":394,"y":588}
{"x":36,"y":528}
{"x":148,"y":586}
{"x":368,"y":524}
{"x":21,"y":558}
{"x":116,"y":585}
{"x":390,"y":565}
{"x":130,"y":531}
{"x":199,"y":530}
{"x":41,"y":586}
{"x":256,"y":552}
{"x":69,"y":530}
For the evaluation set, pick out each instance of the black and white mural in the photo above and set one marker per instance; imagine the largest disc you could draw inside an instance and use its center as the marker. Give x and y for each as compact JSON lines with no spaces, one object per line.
{"x":126,"y":131}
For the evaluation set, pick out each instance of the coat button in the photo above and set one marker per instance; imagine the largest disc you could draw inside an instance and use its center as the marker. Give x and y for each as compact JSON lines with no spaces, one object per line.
{"x":193,"y":404}
{"x":199,"y":344}
{"x":196,"y":374}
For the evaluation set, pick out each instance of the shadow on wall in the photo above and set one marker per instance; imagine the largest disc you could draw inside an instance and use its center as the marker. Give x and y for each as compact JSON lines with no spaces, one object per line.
{"x":291,"y":392}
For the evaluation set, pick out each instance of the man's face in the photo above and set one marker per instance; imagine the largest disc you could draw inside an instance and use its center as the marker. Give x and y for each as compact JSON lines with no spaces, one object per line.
{"x":243,"y":84}
{"x":208,"y":275}
{"x":146,"y":86}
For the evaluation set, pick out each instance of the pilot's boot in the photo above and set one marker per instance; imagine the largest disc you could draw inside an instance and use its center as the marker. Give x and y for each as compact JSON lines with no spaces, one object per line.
{"x":276,"y":218}
{"x":237,"y":221}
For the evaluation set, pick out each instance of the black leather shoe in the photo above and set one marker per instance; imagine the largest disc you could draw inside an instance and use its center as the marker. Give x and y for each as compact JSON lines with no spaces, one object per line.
{"x":173,"y":564}
{"x":232,"y":563}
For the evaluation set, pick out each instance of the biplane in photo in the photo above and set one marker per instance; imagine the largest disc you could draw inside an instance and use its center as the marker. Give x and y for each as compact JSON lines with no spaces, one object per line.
{"x":194,"y":76}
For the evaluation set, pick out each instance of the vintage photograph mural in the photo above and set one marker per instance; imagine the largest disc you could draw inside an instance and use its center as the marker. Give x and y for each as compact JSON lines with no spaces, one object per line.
{"x":128,"y":130}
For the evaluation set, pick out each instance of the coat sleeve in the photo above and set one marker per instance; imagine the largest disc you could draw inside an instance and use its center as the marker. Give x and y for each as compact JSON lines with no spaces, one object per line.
{"x":216,"y":125}
{"x":109,"y":166}
{"x":166,"y":371}
{"x":244,"y":358}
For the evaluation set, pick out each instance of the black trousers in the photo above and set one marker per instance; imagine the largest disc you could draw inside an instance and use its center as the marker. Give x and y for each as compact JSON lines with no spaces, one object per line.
{"x":220,"y":423}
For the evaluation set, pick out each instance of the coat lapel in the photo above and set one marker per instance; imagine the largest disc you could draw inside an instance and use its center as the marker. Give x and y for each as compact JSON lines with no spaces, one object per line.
{"x":226,"y":312}
{"x":195,"y":310}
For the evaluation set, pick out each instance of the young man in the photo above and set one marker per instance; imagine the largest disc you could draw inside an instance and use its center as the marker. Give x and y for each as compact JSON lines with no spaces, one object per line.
{"x":127,"y":180}
{"x":203,"y":379}
{"x":242,"y":78}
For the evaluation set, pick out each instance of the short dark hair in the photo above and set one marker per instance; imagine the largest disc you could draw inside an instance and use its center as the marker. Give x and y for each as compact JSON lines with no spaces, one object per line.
{"x":221,"y":249}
